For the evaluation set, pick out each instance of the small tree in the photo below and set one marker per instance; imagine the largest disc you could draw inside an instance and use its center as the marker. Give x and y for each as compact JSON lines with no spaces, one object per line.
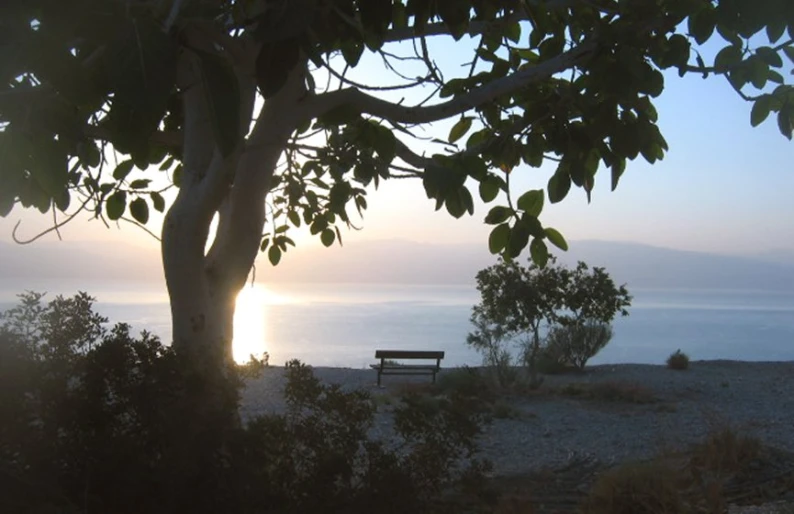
{"x":490,"y":341}
{"x":516,"y":302}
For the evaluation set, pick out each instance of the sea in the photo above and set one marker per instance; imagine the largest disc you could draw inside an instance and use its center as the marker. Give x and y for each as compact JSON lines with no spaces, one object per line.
{"x":342,"y":325}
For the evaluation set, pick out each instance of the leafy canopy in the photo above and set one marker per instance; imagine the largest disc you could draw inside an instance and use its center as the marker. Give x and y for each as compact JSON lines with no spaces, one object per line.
{"x":516,"y":299}
{"x":90,"y":93}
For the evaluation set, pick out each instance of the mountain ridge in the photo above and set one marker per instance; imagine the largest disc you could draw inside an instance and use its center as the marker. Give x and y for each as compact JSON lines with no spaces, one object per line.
{"x":409,"y":262}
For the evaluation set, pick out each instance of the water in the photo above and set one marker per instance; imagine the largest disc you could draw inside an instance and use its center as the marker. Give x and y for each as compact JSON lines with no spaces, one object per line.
{"x":342,"y":325}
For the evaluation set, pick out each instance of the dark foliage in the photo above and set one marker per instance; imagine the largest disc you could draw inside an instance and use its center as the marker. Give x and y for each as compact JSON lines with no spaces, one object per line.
{"x":678,"y":360}
{"x":97,"y":420}
{"x":574,"y":345}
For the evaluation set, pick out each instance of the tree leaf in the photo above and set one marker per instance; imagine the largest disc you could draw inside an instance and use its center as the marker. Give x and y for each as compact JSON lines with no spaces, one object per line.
{"x":769,"y":56}
{"x":384,"y":143}
{"x":497,"y":215}
{"x":499,"y":238}
{"x":115,"y":205}
{"x":789,"y":51}
{"x":167,"y":164}
{"x":513,"y":32}
{"x":352,"y":51}
{"x":784,"y":122}
{"x":539,"y":252}
{"x":460,"y":128}
{"x":531,"y":202}
{"x":702,"y":24}
{"x":454,"y":203}
{"x":556,"y":239}
{"x":519,"y":237}
{"x":222,"y":94}
{"x":142,"y":183}
{"x":274,"y":255}
{"x":727,"y":57}
{"x":139,"y":210}
{"x":158,"y":202}
{"x":559,"y":185}
{"x":760,"y":111}
{"x":327,"y":237}
{"x":775,"y":30}
{"x":489,"y":189}
{"x":177,"y":177}
{"x":274,"y":63}
{"x":123,"y":169}
{"x":294,"y":218}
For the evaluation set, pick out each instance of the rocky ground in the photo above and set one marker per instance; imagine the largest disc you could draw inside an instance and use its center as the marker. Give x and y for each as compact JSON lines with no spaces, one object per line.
{"x":664,"y":410}
{"x":558,"y":439}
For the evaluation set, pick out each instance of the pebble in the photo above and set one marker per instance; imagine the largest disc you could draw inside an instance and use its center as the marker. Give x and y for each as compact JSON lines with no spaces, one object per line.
{"x":550,"y":429}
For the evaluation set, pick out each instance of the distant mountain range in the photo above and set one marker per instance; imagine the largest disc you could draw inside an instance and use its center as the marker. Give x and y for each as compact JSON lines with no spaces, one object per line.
{"x":394,"y":261}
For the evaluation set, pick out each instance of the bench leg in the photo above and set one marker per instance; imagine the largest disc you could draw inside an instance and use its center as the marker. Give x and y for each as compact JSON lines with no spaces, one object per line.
{"x":434,"y":377}
{"x":379,"y":378}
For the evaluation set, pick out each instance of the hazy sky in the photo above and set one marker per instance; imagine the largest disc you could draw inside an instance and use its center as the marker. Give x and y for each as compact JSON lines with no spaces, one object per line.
{"x":724,"y":187}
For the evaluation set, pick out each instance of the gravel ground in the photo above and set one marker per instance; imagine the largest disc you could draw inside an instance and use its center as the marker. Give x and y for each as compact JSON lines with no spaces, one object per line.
{"x":549,"y":430}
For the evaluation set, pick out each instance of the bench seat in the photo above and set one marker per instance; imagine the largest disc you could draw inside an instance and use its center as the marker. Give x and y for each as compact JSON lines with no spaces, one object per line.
{"x":398,"y":368}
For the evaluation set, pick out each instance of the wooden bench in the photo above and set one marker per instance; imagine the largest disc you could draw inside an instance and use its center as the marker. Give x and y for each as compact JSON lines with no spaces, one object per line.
{"x":396,"y":368}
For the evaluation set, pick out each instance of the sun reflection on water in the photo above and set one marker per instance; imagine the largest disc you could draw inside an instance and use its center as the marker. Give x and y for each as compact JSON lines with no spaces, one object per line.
{"x":250,"y":322}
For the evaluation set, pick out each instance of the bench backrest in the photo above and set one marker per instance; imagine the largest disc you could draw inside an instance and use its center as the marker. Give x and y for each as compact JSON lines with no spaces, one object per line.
{"x":407,"y":354}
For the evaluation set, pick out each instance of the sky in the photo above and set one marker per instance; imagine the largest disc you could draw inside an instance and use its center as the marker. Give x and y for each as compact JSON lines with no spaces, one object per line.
{"x":724,"y":186}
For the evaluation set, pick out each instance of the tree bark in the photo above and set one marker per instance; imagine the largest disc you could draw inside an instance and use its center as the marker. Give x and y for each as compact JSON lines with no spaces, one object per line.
{"x":203,"y":284}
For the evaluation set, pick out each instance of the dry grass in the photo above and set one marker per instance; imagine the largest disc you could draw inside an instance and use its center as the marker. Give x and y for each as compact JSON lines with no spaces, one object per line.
{"x":636,"y":488}
{"x":725,"y":451}
{"x":611,"y":391}
{"x":410,"y":388}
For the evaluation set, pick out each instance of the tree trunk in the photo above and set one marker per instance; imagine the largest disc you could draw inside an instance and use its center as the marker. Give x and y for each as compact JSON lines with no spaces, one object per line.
{"x":534,"y":352}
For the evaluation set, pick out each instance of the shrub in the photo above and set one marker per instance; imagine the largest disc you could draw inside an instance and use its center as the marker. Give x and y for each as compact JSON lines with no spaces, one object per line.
{"x":575,"y":344}
{"x":117,"y":424}
{"x":678,"y":360}
{"x":725,"y":451}
{"x":636,"y":488}
{"x":549,"y":364}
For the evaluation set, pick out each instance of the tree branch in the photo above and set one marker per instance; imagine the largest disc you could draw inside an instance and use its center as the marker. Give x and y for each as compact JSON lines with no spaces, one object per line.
{"x":239,"y":233}
{"x":411,"y":157}
{"x":364,"y":103}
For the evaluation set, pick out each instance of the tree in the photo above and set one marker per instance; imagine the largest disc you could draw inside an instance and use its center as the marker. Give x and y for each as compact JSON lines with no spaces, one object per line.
{"x":516,"y":302}
{"x":237,"y":101}
{"x":575,"y":306}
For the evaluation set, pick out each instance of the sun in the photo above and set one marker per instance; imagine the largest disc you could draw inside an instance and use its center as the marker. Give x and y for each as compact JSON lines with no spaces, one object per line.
{"x":250,"y":323}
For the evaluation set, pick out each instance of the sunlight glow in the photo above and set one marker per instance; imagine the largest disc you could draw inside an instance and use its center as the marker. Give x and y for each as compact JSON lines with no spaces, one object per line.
{"x":250,"y":323}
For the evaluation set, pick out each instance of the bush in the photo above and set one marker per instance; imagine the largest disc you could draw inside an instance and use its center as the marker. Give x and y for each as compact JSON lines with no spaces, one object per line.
{"x":637,"y":488}
{"x":101,"y":421}
{"x":725,"y":451}
{"x":575,"y":344}
{"x":678,"y":360}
